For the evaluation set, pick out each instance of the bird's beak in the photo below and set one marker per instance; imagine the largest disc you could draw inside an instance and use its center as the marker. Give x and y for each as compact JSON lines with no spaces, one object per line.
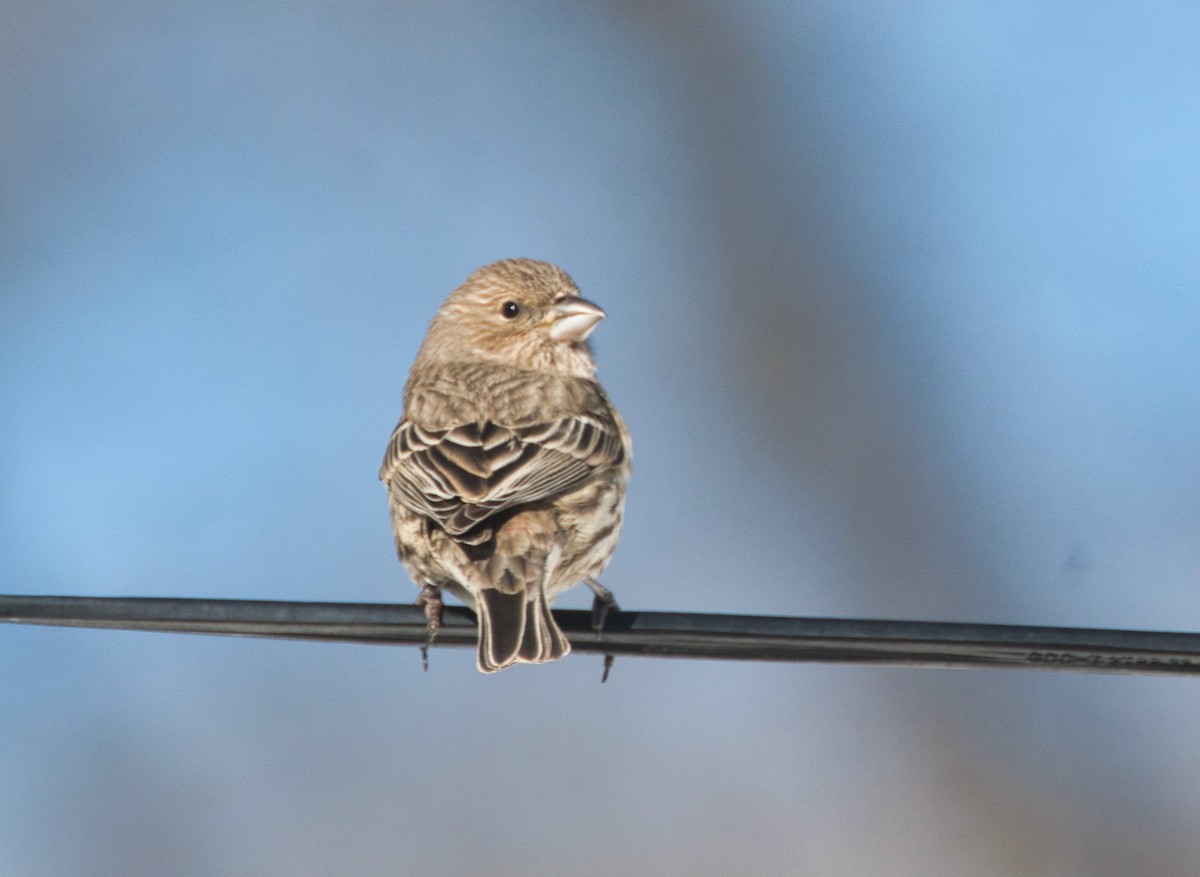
{"x":574,"y":318}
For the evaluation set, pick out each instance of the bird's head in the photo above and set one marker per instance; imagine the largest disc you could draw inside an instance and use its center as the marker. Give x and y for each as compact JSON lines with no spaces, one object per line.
{"x":519,"y":313}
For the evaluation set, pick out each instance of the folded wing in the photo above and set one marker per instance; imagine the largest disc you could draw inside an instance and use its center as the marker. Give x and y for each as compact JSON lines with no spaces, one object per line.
{"x":463,"y":475}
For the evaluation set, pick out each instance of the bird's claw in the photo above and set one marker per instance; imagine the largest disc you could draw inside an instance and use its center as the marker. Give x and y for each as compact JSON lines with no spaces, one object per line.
{"x":608,"y":663}
{"x":431,"y":599}
{"x":602,"y":603}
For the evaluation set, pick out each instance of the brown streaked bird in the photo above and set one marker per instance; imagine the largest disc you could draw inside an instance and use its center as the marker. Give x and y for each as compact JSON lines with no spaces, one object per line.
{"x":506,"y":474}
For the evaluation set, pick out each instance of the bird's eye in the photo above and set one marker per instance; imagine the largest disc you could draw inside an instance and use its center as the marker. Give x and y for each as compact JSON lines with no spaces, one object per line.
{"x":510,"y":309}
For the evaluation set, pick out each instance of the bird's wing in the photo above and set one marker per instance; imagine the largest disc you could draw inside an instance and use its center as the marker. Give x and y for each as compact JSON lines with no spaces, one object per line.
{"x":462,"y":475}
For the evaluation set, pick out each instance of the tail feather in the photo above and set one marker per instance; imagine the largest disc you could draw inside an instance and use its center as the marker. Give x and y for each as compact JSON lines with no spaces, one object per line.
{"x":515,"y":624}
{"x":544,"y":640}
{"x":501,"y":628}
{"x":515,"y":630}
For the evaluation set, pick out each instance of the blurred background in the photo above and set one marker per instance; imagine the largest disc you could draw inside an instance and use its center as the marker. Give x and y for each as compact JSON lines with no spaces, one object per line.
{"x":904,"y":316}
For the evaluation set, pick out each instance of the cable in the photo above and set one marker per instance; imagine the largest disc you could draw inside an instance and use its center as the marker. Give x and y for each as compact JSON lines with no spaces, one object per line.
{"x":649,"y":634}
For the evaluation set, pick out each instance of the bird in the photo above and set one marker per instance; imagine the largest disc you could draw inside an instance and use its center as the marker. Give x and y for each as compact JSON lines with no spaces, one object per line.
{"x":507,"y":472}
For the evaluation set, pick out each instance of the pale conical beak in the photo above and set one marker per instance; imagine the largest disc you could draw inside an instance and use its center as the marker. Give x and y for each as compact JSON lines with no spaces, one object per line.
{"x":574,"y":318}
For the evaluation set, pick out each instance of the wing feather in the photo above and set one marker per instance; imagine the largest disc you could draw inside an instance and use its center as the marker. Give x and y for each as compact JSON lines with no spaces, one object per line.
{"x":465,"y":474}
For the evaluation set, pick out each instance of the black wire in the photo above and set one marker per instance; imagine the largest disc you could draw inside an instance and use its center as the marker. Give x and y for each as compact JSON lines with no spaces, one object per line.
{"x":650,"y":634}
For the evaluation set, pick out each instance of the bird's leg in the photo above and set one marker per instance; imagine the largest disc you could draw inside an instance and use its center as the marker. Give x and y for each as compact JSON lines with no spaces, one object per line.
{"x":431,"y":598}
{"x":603,"y":603}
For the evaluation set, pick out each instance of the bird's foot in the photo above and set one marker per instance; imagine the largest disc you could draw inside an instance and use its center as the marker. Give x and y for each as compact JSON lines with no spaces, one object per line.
{"x":431,"y":599}
{"x":603,"y":603}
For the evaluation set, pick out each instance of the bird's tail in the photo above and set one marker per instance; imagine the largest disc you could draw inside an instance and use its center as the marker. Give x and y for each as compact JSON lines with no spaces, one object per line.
{"x":514,"y":628}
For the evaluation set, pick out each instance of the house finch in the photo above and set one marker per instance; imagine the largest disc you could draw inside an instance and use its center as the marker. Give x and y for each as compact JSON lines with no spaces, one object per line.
{"x":506,"y":475}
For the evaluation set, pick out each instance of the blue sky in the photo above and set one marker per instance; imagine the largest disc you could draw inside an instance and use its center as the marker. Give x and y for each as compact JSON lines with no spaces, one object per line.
{"x":905,"y":319}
